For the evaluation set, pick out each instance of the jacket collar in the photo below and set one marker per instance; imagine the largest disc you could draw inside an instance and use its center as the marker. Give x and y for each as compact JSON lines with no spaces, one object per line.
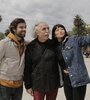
{"x":65,"y":39}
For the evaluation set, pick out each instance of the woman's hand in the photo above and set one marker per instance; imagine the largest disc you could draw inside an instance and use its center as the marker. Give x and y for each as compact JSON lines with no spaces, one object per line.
{"x":65,"y":71}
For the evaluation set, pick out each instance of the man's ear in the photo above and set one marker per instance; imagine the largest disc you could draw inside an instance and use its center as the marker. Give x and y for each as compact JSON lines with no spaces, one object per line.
{"x":37,"y":33}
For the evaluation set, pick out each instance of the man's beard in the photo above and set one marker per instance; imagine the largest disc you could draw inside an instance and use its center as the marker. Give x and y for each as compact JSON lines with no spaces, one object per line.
{"x":21,"y":35}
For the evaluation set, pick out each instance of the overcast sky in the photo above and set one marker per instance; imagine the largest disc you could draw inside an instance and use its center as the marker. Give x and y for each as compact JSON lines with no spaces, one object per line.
{"x":50,"y":11}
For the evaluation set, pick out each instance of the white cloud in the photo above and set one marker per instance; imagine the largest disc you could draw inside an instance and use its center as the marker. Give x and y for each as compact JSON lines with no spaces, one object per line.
{"x":51,"y":11}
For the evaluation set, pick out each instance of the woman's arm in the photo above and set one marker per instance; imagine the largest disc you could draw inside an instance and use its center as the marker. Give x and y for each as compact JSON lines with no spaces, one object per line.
{"x":83,"y":41}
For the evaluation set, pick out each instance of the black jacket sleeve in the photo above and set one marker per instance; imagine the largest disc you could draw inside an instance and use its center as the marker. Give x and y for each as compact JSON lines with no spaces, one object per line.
{"x":28,"y":69}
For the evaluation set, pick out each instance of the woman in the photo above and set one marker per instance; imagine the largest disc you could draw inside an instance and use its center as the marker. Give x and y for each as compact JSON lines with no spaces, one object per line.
{"x":75,"y":74}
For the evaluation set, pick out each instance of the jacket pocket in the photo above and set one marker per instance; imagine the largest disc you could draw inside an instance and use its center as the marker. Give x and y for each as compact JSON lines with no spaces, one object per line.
{"x":36,"y":76}
{"x":68,"y":47}
{"x":55,"y":79}
{"x":68,"y":53}
{"x":37,"y":82}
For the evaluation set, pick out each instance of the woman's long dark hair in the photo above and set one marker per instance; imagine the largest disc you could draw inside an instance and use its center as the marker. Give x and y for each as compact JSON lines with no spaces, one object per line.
{"x":56,"y":43}
{"x":53,"y":32}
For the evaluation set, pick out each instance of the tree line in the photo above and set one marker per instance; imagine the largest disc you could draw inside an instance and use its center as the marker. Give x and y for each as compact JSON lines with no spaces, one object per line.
{"x":80,"y":28}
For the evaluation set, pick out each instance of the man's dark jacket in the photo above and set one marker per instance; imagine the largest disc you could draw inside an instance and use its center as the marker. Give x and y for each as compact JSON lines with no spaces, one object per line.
{"x":41,"y":72}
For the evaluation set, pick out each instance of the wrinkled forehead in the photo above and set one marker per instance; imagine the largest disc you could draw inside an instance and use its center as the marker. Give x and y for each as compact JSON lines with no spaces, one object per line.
{"x":42,"y":25}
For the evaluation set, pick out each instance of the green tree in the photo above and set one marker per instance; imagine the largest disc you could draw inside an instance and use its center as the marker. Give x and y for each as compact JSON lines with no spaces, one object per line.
{"x":79,"y":26}
{"x":0,"y":18}
{"x":7,"y":32}
{"x":70,"y":33}
{"x":88,"y":29}
{"x":1,"y":36}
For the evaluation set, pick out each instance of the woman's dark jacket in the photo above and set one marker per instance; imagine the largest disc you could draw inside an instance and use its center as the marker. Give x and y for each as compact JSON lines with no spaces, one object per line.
{"x":41,"y":72}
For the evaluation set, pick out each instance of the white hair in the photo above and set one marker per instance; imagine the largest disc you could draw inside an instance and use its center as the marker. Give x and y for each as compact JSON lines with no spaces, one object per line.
{"x":36,"y":29}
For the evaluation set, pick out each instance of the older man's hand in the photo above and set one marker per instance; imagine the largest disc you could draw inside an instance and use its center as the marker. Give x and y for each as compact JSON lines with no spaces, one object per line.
{"x":30,"y":91}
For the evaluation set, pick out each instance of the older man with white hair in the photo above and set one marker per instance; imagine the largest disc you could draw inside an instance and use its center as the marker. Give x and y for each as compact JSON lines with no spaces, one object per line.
{"x":41,"y":74}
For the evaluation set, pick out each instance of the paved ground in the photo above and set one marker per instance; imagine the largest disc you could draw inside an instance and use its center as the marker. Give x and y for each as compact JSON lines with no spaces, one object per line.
{"x":61,"y":96}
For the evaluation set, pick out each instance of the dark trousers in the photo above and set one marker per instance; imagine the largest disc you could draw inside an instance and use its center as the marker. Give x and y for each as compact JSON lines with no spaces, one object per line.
{"x":51,"y":95}
{"x":71,"y":93}
{"x":8,"y":93}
